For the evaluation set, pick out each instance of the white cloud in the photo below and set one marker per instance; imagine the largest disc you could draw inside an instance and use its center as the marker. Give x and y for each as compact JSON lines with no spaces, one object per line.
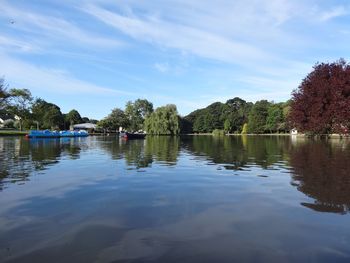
{"x":174,"y":35}
{"x":335,"y":12}
{"x":55,"y":81}
{"x":162,"y":67}
{"x":54,"y":28}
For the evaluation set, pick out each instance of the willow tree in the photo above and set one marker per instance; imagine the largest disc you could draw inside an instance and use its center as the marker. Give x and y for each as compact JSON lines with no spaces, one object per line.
{"x":163,"y":121}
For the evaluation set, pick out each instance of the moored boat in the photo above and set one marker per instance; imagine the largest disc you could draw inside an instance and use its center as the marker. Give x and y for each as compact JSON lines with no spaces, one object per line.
{"x":56,"y":134}
{"x":128,"y":135}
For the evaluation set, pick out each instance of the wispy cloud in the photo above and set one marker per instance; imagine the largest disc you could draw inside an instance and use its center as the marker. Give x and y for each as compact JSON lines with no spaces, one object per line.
{"x":53,"y":80}
{"x":162,"y":67}
{"x":186,"y":38}
{"x":51,"y":27}
{"x":335,"y":12}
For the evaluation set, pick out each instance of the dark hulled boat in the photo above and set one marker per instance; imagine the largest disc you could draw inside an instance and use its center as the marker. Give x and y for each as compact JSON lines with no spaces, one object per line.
{"x":128,"y":135}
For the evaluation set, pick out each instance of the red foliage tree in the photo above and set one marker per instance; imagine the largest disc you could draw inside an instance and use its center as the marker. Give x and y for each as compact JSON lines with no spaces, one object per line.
{"x":321,"y":104}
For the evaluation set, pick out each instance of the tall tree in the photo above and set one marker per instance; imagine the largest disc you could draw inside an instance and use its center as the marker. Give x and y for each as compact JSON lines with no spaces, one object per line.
{"x":114,"y":120}
{"x":274,"y":118}
{"x":73,"y":117}
{"x":20,"y":104}
{"x":257,"y":117}
{"x":136,"y":113}
{"x":47,"y":115}
{"x":4,"y":94}
{"x":164,"y":120}
{"x":321,"y":104}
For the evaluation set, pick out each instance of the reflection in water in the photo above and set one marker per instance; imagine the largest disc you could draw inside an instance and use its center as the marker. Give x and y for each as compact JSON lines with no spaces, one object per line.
{"x":198,"y":198}
{"x":322,"y":171}
{"x":20,"y":156}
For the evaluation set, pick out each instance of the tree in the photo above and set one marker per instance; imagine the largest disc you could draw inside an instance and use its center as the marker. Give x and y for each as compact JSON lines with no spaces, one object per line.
{"x":257,"y":117}
{"x":85,"y":119}
{"x":20,"y":103}
{"x":53,"y":118}
{"x":227,"y":125}
{"x":4,"y":95}
{"x":114,"y":120}
{"x":321,"y":104}
{"x":163,"y":121}
{"x":245,"y":129}
{"x":47,"y":115}
{"x":274,"y":118}
{"x":73,"y":117}
{"x":136,"y":113}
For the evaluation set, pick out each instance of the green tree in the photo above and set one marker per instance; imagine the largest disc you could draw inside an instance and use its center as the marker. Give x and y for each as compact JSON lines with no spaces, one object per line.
{"x":20,"y":104}
{"x":73,"y":117}
{"x":47,"y":115}
{"x":227,"y":125}
{"x":114,"y":120}
{"x":4,"y":94}
{"x":245,"y":128}
{"x":274,"y":118}
{"x":136,"y":112}
{"x":53,"y":118}
{"x":163,"y":121}
{"x":257,"y":117}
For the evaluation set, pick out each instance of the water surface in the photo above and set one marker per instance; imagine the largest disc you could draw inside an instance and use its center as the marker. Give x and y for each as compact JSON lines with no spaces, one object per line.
{"x":174,"y":199}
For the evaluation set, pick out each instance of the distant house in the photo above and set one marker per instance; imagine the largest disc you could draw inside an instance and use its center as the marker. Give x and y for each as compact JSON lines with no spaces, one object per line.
{"x":85,"y":126}
{"x":4,"y":117}
{"x":294,"y":131}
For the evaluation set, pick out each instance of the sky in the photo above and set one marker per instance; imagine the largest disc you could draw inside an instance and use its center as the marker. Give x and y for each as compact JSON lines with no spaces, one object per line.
{"x":96,"y":55}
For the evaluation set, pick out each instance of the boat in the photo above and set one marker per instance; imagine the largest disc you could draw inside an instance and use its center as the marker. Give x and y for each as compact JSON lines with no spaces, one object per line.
{"x":128,"y":135}
{"x":56,"y":134}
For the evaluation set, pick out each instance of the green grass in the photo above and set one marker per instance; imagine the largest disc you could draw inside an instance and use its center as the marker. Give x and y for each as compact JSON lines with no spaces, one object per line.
{"x":12,"y":133}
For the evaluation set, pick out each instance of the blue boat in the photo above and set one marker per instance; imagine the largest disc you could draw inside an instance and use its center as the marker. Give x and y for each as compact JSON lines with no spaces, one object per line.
{"x":56,"y":134}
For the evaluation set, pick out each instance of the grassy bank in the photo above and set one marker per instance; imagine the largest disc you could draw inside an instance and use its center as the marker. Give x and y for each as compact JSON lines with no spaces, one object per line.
{"x":12,"y":133}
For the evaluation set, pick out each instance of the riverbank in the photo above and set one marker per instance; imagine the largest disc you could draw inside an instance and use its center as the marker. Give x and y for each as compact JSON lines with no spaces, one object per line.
{"x":12,"y":133}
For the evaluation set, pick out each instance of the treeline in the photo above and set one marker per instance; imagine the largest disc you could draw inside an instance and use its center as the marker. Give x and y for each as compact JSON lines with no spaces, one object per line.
{"x":320,"y":105}
{"x":140,"y":116}
{"x":239,"y":116}
{"x":22,"y":111}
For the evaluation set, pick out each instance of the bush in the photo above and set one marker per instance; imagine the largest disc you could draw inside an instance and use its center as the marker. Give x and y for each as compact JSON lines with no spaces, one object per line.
{"x":9,"y":124}
{"x":218,"y":132}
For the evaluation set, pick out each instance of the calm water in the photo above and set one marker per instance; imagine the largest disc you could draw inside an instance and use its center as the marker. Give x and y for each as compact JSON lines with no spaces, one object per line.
{"x":188,"y":199}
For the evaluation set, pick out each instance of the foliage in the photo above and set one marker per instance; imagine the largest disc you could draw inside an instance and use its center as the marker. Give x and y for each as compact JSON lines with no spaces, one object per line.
{"x":4,"y":95}
{"x":275,"y":118}
{"x":20,"y":101}
{"x":9,"y":124}
{"x":321,"y":104}
{"x":136,"y":112}
{"x":164,"y":120}
{"x":257,"y":117}
{"x":227,"y":125}
{"x":114,"y":120}
{"x":48,"y":115}
{"x":218,"y":132}
{"x":73,"y":117}
{"x":245,"y":128}
{"x":85,"y":120}
{"x":229,"y":116}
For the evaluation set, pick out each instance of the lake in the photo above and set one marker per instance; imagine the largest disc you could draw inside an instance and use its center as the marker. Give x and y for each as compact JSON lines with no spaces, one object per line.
{"x":175,"y":199}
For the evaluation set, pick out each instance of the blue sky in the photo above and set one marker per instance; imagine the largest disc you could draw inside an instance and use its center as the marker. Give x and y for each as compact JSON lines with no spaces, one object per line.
{"x":96,"y":55}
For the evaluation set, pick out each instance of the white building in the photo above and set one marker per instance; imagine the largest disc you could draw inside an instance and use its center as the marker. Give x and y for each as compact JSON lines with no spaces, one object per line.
{"x":85,"y":126}
{"x":294,"y":131}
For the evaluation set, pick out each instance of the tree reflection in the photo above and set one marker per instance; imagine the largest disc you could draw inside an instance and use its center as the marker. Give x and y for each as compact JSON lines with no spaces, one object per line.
{"x":19,"y":156}
{"x":235,"y":152}
{"x":322,"y":171}
{"x":142,"y":153}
